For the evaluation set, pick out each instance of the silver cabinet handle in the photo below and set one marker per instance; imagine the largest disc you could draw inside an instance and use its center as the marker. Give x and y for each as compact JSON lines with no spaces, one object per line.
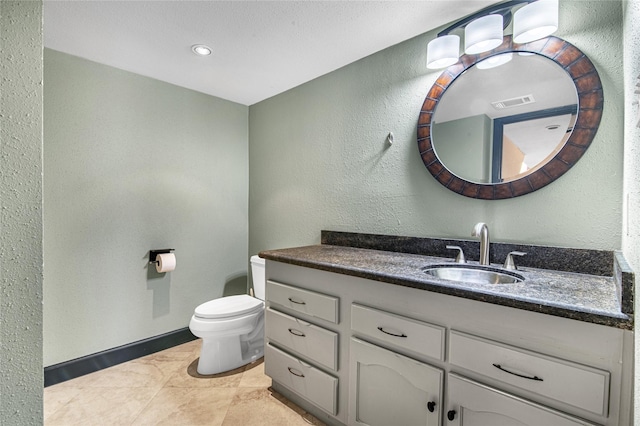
{"x":296,"y":332}
{"x":391,"y":334}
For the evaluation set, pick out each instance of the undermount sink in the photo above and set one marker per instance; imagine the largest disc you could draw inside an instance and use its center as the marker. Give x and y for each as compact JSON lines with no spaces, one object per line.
{"x":473,"y":274}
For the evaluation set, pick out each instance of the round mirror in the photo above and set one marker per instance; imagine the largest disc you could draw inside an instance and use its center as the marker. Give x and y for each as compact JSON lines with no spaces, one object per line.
{"x":510,"y":121}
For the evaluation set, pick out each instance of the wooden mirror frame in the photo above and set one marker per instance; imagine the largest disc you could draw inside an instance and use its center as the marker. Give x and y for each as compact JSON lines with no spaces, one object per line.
{"x":590,"y":103}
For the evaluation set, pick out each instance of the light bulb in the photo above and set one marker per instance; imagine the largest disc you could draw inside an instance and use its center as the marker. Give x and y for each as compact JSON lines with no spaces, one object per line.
{"x":201,"y":49}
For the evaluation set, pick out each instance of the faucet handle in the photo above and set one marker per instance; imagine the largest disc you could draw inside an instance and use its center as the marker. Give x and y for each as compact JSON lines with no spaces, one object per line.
{"x":460,"y":257}
{"x":509,"y":263}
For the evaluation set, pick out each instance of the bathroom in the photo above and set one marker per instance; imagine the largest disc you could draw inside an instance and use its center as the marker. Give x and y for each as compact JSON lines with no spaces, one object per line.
{"x":277,"y":173}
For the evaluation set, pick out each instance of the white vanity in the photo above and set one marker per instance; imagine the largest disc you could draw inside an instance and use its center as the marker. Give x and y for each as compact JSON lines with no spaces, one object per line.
{"x":362,"y":351}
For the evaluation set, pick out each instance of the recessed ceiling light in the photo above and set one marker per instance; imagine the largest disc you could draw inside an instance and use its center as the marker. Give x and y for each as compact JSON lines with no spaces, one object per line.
{"x":201,"y":49}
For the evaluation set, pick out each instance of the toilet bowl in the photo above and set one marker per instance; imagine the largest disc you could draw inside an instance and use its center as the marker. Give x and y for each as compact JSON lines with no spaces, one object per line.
{"x":231,"y":327}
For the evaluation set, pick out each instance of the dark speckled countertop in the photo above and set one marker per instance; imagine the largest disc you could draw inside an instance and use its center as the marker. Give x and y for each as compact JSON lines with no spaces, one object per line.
{"x":598,"y":298}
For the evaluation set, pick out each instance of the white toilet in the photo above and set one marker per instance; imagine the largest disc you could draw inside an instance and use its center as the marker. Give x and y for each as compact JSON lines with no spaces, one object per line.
{"x":232,"y":327}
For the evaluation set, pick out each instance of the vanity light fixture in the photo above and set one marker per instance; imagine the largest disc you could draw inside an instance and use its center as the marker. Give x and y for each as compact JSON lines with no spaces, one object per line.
{"x":483,"y":31}
{"x":201,"y":50}
{"x":535,"y":21}
{"x":483,"y":34}
{"x":443,"y":51}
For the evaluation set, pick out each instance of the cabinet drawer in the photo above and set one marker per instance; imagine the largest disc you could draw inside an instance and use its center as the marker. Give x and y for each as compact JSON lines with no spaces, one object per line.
{"x":308,"y":302}
{"x":578,"y":385}
{"x":306,"y":339}
{"x":312,"y":384}
{"x":401,"y":332}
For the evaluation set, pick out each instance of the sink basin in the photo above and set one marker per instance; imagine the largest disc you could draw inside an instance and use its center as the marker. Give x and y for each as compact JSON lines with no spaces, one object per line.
{"x":473,"y":274}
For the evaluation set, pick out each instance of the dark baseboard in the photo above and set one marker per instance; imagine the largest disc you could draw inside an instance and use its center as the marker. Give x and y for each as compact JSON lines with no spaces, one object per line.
{"x":88,"y":364}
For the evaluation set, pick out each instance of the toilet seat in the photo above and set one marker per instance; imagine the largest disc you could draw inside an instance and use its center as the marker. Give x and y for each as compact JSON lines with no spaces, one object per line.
{"x":229,"y":307}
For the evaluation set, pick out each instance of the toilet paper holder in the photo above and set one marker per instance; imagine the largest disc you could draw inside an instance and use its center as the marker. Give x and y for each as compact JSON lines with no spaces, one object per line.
{"x":154,"y":253}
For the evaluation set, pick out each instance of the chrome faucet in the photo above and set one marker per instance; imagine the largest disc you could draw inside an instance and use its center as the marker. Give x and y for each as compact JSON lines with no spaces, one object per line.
{"x":481,"y":230}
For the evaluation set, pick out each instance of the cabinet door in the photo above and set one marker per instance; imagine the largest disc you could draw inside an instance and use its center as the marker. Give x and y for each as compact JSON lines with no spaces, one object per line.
{"x":387,"y":388}
{"x":473,"y":404}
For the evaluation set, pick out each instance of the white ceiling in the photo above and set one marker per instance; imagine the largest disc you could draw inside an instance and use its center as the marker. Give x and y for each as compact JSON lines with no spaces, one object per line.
{"x":260,"y":48}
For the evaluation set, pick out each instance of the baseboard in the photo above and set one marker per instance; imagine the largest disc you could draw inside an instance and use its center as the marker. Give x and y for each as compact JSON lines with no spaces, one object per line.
{"x":88,"y":364}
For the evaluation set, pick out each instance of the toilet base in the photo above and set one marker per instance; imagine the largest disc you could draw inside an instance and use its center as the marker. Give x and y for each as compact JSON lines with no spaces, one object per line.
{"x":227,"y":353}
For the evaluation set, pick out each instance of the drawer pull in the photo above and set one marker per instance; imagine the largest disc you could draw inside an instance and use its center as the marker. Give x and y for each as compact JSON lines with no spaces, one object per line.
{"x":293,"y":371}
{"x":499,"y":367}
{"x":296,"y":332}
{"x":451,"y":414}
{"x":431,"y":406}
{"x":391,"y":334}
{"x":296,"y":302}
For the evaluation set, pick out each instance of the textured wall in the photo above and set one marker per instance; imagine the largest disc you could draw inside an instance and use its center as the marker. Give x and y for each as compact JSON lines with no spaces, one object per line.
{"x":631,"y":223}
{"x":21,"y":213}
{"x":319,"y":159}
{"x":133,"y":164}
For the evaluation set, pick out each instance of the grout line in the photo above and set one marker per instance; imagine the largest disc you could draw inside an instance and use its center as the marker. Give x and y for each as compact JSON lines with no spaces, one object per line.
{"x":139,"y":413}
{"x":226,"y":412}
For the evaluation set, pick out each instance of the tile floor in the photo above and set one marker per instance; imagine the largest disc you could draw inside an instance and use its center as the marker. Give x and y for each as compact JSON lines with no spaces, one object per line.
{"x":165,"y":389}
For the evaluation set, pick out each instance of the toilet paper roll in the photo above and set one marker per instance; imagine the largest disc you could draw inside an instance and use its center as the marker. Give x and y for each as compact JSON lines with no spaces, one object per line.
{"x":165,"y":262}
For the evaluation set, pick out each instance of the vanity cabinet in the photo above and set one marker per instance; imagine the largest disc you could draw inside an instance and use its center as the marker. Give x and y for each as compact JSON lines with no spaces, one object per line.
{"x":384,"y":354}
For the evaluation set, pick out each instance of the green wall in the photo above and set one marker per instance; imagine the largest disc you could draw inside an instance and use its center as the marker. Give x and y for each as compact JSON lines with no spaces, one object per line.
{"x":21,"y":213}
{"x":630,"y":222}
{"x":133,"y":164}
{"x":319,"y":160}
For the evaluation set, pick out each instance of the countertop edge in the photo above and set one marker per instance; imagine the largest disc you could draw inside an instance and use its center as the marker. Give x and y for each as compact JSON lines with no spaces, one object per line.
{"x":624,"y":321}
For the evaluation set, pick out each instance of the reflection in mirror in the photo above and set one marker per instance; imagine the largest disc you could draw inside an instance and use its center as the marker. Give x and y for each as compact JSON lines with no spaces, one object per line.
{"x":504,"y":117}
{"x":541,"y":100}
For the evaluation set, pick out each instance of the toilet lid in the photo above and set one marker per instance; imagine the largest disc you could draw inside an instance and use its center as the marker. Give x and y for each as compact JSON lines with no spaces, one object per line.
{"x":230,"y":306}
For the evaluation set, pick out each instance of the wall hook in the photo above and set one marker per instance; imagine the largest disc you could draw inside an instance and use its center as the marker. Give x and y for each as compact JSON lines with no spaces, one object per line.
{"x":390,"y":138}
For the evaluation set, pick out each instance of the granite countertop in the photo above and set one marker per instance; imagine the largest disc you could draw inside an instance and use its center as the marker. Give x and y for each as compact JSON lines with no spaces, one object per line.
{"x":583,"y":297}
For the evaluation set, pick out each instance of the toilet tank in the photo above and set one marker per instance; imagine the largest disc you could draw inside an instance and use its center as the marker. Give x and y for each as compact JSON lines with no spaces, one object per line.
{"x":257,"y":271}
